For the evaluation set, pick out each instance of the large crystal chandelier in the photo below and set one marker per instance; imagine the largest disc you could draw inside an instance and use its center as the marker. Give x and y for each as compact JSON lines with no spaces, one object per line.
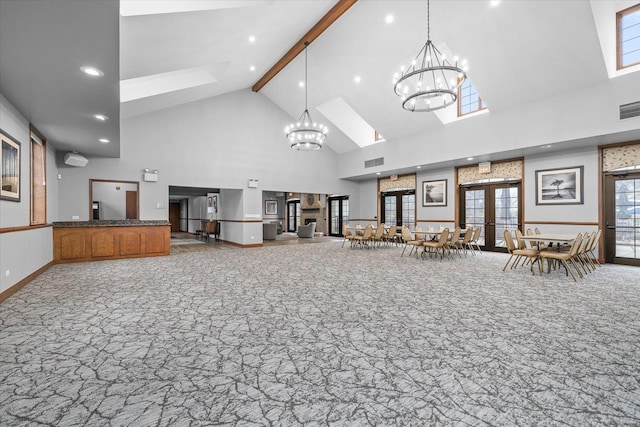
{"x":430,"y":82}
{"x":305,"y":134}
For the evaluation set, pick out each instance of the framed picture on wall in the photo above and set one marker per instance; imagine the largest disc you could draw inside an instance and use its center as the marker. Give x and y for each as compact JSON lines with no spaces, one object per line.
{"x":271,"y":207}
{"x":560,"y":186}
{"x":434,"y":193}
{"x":10,"y":161}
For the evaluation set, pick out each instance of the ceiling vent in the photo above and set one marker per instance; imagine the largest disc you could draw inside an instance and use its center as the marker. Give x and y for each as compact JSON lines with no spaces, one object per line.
{"x":628,"y":111}
{"x":374,"y":162}
{"x":75,"y":159}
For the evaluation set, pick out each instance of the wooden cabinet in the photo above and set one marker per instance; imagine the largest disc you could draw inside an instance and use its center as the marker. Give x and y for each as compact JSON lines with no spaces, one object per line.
{"x":91,"y":243}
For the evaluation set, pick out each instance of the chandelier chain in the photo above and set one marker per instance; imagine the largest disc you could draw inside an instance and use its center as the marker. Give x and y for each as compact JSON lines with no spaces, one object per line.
{"x":428,"y":22}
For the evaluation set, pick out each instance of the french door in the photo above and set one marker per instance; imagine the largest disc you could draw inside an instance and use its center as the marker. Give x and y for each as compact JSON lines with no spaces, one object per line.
{"x":338,"y":214}
{"x":494,"y":207}
{"x":399,"y":208}
{"x":622,"y":218}
{"x":293,"y":215}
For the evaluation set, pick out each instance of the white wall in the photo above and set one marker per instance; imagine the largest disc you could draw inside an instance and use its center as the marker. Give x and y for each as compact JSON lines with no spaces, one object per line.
{"x":586,"y":113}
{"x":24,"y":252}
{"x":219,"y":142}
{"x":112,"y":198}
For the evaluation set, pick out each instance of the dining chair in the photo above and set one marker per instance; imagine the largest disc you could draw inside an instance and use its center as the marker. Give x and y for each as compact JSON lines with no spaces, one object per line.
{"x":347,"y":235}
{"x":391,"y":235}
{"x":378,"y":236}
{"x":409,"y":241}
{"x":364,"y":238}
{"x":594,"y":245}
{"x":454,"y":243}
{"x":474,"y":244}
{"x":464,"y":243}
{"x":439,"y":246}
{"x":565,"y":258}
{"x":518,"y":253}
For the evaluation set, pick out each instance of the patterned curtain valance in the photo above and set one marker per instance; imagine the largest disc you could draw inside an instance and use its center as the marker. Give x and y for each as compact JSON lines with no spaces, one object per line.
{"x":510,"y":170}
{"x":403,"y":182}
{"x":620,"y":157}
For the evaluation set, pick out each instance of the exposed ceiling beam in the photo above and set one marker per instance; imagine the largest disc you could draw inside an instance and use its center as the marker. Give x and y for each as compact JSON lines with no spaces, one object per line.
{"x":336,"y":11}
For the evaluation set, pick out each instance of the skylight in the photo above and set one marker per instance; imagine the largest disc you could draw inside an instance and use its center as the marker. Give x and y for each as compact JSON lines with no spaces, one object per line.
{"x":348,"y":121}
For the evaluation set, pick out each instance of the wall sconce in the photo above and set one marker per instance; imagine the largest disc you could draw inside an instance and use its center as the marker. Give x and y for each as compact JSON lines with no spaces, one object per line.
{"x":253,"y":183}
{"x":150,"y":175}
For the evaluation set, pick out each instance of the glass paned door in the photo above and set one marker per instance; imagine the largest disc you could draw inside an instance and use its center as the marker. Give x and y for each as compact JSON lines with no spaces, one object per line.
{"x":494,"y":208}
{"x":506,"y":212}
{"x":399,"y":208}
{"x":622,"y":218}
{"x":338,"y":214}
{"x":293,"y":215}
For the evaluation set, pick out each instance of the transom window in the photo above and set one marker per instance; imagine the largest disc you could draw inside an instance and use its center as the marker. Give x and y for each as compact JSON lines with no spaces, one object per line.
{"x":628,"y":29}
{"x":468,"y":99}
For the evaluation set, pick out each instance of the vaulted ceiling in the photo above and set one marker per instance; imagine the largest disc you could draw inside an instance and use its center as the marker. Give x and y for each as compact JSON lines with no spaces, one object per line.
{"x":159,"y":54}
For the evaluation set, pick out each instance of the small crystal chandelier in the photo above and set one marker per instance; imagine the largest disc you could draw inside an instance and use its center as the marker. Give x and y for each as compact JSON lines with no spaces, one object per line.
{"x":430,"y":82}
{"x":305,"y":134}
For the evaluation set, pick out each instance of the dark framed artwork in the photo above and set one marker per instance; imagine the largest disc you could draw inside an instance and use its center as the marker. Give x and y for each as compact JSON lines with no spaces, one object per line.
{"x":434,"y":193}
{"x":10,"y":161}
{"x":560,"y":186}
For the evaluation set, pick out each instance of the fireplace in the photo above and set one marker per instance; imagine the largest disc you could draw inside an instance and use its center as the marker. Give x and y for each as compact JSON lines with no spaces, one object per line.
{"x":308,"y":221}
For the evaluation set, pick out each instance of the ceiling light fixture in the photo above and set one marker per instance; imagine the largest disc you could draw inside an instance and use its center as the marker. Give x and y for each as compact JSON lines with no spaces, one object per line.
{"x":305,"y":134}
{"x":104,"y":140}
{"x":252,"y":39}
{"x":92,"y":71}
{"x":388,"y":19}
{"x":252,"y":68}
{"x":101,"y":117}
{"x":430,"y":82}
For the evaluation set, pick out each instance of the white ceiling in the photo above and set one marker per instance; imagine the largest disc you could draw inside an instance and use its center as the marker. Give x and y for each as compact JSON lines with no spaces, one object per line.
{"x":519,"y":51}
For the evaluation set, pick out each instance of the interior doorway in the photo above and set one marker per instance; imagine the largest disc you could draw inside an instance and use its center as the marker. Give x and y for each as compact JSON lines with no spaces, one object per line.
{"x":293,"y":215}
{"x":174,"y":217}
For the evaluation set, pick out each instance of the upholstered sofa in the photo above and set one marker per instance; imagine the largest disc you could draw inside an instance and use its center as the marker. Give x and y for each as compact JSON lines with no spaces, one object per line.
{"x":269,"y":231}
{"x":307,"y":231}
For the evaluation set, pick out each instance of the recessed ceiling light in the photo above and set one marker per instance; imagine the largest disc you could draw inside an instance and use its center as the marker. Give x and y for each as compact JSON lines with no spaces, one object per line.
{"x":388,"y":19}
{"x":469,"y":158}
{"x":546,"y":146}
{"x":101,"y":117}
{"x":252,"y":68}
{"x":357,"y":79}
{"x":301,"y":84}
{"x":92,"y":71}
{"x":418,"y":167}
{"x":494,"y":3}
{"x":252,"y":39}
{"x":104,"y":140}
{"x":378,"y":173}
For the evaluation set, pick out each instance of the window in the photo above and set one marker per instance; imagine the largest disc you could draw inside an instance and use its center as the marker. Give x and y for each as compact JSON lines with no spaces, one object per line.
{"x":38,"y":178}
{"x":628,"y":35}
{"x":468,"y":99}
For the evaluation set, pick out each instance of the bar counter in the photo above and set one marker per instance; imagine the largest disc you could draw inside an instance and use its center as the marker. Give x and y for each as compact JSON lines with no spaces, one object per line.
{"x":81,"y":241}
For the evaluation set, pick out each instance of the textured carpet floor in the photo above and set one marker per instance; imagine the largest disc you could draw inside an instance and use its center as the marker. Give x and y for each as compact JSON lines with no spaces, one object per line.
{"x":319,"y":335}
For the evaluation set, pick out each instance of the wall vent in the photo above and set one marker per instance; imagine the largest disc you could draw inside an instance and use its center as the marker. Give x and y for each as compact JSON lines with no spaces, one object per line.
{"x":374,"y":162}
{"x":628,"y":111}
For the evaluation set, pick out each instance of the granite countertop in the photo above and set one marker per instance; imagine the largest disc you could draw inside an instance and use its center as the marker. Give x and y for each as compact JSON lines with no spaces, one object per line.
{"x":110,"y":223}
